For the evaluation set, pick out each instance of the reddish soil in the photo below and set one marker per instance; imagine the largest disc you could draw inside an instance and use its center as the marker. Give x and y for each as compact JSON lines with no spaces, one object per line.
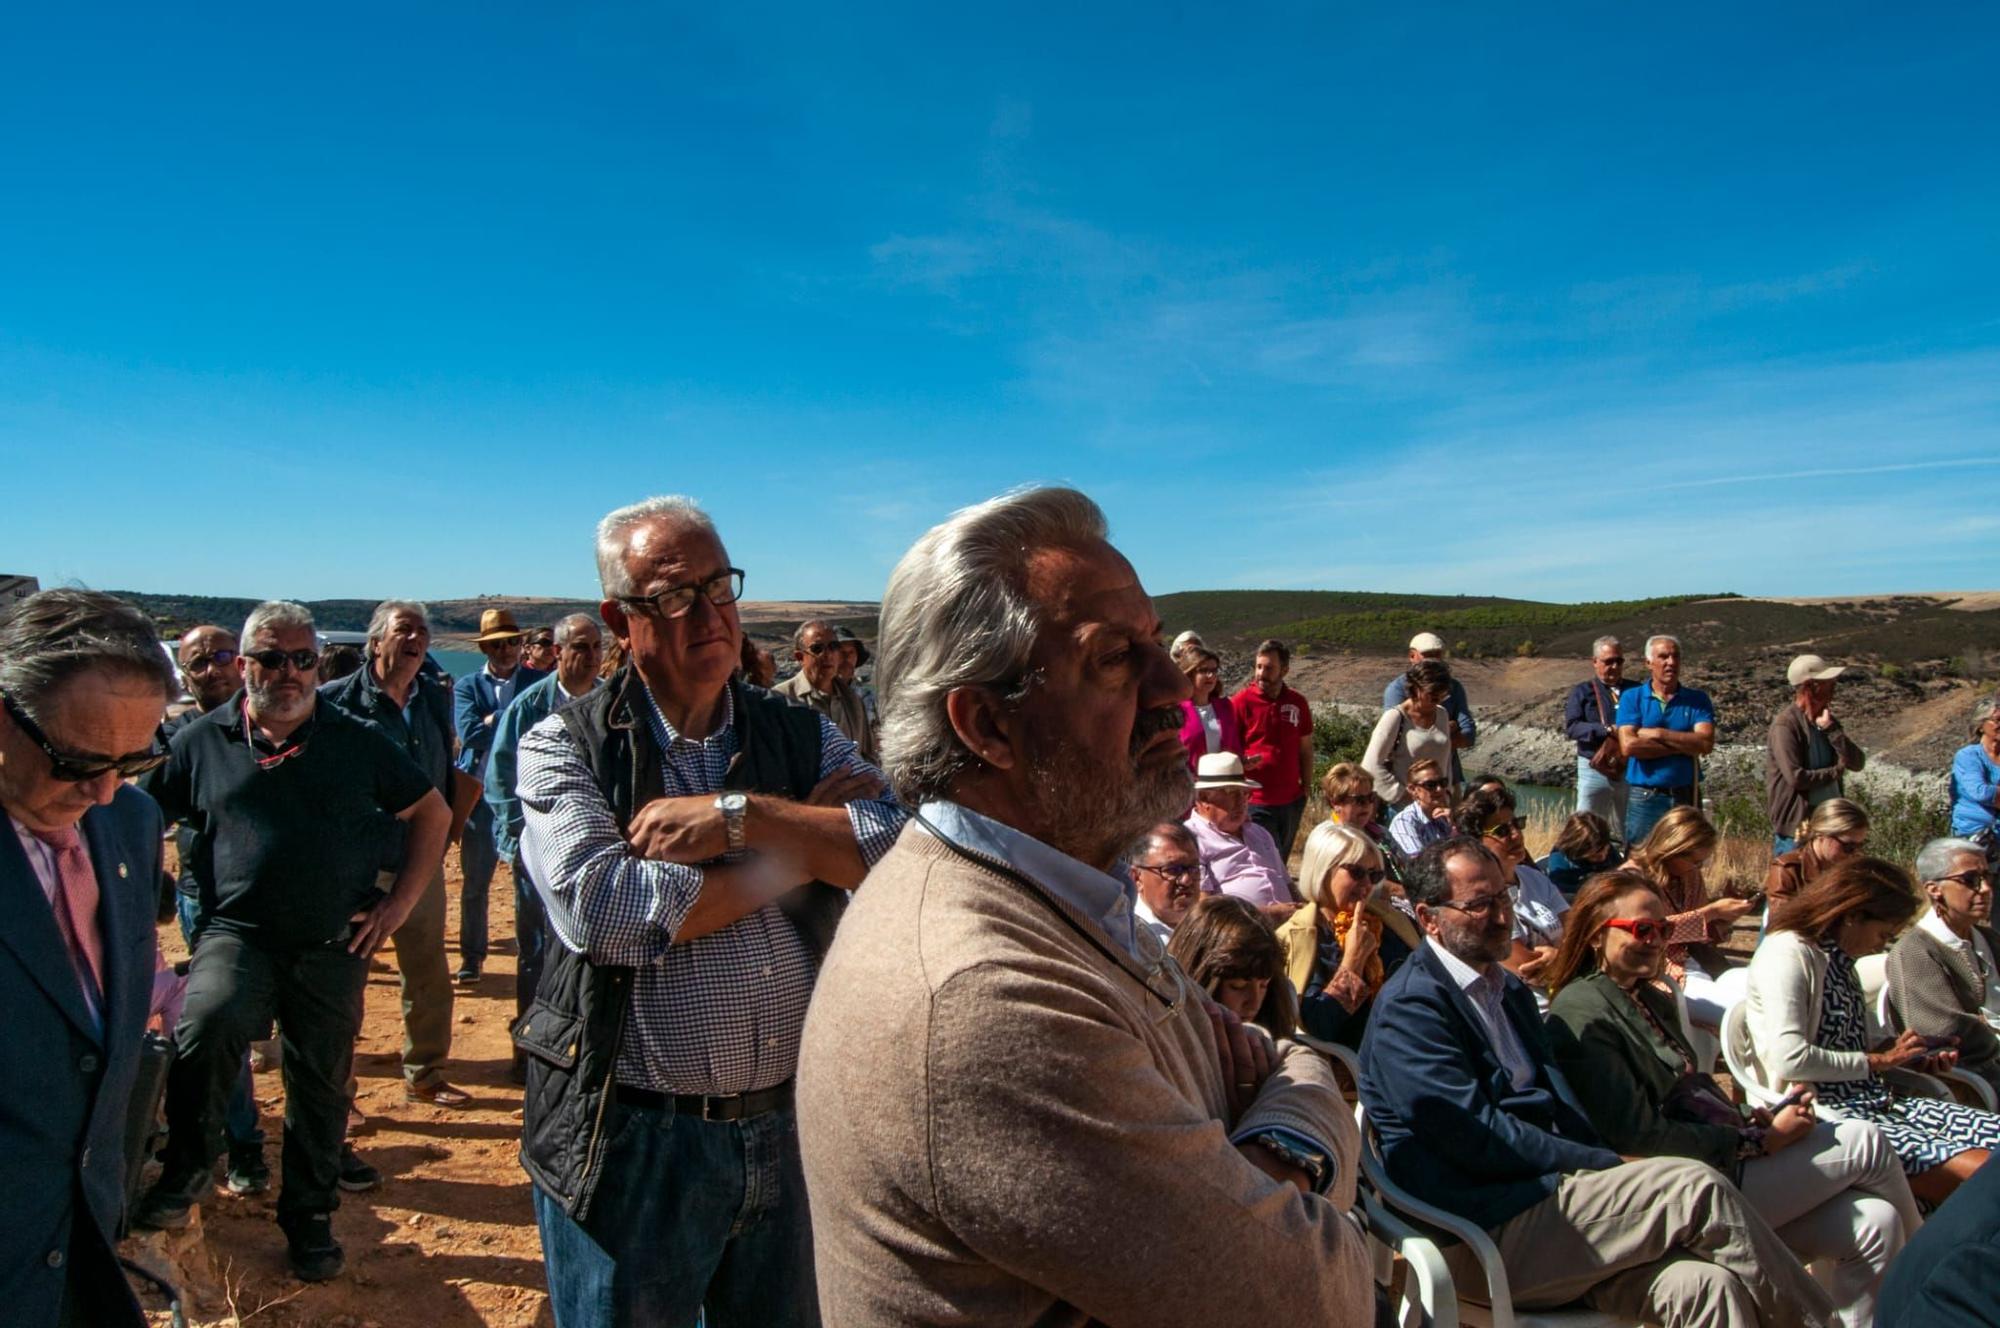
{"x":449,"y":1239}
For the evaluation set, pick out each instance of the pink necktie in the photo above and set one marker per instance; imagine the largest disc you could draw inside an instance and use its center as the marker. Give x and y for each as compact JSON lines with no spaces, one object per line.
{"x":76,"y":906}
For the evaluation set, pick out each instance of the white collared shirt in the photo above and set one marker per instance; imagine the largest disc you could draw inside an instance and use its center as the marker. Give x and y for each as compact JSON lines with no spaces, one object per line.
{"x":1484,"y":991}
{"x":1978,"y":954}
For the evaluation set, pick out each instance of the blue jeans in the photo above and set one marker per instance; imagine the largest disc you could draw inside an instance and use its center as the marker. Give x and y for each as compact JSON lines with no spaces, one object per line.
{"x":239,"y":1117}
{"x":1643,"y":809}
{"x":693,"y":1222}
{"x":1595,"y":793}
{"x":477,"y":857}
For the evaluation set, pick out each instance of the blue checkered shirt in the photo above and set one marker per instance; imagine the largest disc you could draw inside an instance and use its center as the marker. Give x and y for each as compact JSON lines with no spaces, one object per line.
{"x":719,"y":1014}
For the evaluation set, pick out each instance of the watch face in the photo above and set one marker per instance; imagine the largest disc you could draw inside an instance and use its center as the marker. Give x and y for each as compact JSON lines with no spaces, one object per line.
{"x":734,"y":802}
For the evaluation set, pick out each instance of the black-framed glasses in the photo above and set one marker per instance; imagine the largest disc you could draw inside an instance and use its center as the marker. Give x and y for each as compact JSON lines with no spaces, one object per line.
{"x":305,"y":661}
{"x":1484,"y":906}
{"x":1974,"y":881}
{"x":220,"y":659}
{"x":1178,"y":875}
{"x":76,"y":767}
{"x":725,"y":587}
{"x":1372,"y":875}
{"x":818,"y":647}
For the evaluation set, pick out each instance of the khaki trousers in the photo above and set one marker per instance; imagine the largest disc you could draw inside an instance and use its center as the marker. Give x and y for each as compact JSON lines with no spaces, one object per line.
{"x":427,"y":993}
{"x":1664,"y":1240}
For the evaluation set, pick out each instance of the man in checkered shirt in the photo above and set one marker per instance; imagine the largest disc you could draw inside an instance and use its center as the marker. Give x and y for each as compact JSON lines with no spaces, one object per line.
{"x":693,"y":840}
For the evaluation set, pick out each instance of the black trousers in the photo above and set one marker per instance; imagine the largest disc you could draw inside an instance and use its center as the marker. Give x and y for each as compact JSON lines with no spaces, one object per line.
{"x":530,"y":938}
{"x":1282,"y":821}
{"x":235,"y":988}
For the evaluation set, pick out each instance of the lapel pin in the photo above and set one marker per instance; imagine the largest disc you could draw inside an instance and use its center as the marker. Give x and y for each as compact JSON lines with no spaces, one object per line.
{"x":121,"y":871}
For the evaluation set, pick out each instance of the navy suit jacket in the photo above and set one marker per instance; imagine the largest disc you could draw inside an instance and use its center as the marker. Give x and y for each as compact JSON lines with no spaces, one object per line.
{"x":1455,"y":1131}
{"x":64,"y":1084}
{"x":1945,"y":1276}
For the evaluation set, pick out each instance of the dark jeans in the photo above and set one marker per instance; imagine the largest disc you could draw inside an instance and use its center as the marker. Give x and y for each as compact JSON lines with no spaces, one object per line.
{"x":530,"y":938}
{"x":234,"y":990}
{"x":1282,"y":821}
{"x":693,"y":1221}
{"x":1645,"y":806}
{"x":477,"y":857}
{"x":239,"y":1121}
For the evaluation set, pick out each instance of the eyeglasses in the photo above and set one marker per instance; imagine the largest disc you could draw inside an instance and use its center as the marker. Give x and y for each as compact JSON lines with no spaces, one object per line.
{"x":1611,"y":659}
{"x":1504,"y":830}
{"x":1178,"y":875}
{"x":305,"y":661}
{"x":1643,"y":930}
{"x":1372,"y":875}
{"x":1849,"y":845}
{"x":74,"y":767}
{"x":1975,"y":881}
{"x":1429,"y":785}
{"x":1484,"y":906}
{"x":725,"y":587}
{"x":1354,"y":798}
{"x":220,"y":659}
{"x":817,"y":648}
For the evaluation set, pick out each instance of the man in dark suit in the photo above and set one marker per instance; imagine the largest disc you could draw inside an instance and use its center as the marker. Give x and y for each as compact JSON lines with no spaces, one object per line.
{"x":1475,"y":1118}
{"x":83,"y":683}
{"x":1944,"y":1276}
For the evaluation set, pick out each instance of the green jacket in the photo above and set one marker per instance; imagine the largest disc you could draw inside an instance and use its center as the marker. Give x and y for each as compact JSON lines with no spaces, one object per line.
{"x":1622,"y":1070}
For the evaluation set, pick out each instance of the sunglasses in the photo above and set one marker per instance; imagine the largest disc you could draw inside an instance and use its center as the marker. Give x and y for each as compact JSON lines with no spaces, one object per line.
{"x":1429,"y":785}
{"x":823,"y":647}
{"x":75,"y":768}
{"x":1504,"y":830}
{"x":1643,"y":930}
{"x":221,"y":659}
{"x":1849,"y":845}
{"x":1372,"y":875}
{"x":1612,"y":659}
{"x":305,"y":661}
{"x":1974,"y":881}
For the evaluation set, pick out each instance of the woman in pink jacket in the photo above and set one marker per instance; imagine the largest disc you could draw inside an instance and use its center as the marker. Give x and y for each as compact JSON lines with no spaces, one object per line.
{"x":1208,"y":724}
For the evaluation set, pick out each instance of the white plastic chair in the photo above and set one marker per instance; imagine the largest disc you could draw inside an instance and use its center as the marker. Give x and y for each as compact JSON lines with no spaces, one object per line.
{"x":1736,"y":1054}
{"x":1498,"y":1311}
{"x":1959,"y":1085}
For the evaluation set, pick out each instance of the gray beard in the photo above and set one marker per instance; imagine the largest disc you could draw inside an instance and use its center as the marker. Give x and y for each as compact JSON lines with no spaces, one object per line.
{"x":1080,"y":813}
{"x":265,"y":705}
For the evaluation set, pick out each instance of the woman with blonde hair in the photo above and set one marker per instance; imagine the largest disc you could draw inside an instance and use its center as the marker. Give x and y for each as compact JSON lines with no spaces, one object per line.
{"x":1337,"y":950}
{"x":1225,"y":945}
{"x":1836,"y":829}
{"x":1673,"y":854}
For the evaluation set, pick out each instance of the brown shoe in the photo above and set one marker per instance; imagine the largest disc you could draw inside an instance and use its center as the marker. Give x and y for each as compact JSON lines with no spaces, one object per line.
{"x":437,"y":1094}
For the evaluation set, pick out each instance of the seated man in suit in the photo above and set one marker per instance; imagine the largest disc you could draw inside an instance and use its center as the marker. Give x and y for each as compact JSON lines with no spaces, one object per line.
{"x":1475,"y":1118}
{"x":83,"y":683}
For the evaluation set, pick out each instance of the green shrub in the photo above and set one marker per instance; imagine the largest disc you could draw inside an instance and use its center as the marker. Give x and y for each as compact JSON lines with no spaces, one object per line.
{"x":1526,"y":650}
{"x":1337,"y":737}
{"x":1892,"y":672}
{"x":1900,"y":823}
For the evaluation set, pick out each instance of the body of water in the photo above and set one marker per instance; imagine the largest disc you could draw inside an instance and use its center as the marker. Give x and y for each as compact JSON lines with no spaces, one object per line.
{"x":1544,"y":800}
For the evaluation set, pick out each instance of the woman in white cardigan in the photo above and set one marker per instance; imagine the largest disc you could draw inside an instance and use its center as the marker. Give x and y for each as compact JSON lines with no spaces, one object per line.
{"x":1416,"y":729}
{"x":1807,"y":1023}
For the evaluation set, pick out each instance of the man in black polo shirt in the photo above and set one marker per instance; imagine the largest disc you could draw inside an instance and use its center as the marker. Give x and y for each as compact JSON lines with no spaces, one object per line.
{"x":391,"y":691}
{"x":286,"y":797}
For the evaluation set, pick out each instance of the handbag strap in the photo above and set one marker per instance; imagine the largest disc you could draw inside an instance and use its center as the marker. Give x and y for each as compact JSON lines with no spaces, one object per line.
{"x":1687,"y":1061}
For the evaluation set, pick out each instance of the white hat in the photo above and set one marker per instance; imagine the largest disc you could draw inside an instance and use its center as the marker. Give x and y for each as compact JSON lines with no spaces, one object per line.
{"x":1810,"y":668}
{"x":1222,"y":770}
{"x":1425,"y":642}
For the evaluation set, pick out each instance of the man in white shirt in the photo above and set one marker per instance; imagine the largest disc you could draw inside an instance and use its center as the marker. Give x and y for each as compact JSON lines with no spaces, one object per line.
{"x":1427,"y":820}
{"x":1238,"y":856}
{"x":1167,"y":872}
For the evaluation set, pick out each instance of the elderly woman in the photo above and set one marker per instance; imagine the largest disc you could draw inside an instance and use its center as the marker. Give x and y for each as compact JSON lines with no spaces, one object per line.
{"x":1208,"y":721}
{"x":1415,"y":729}
{"x":1337,"y":951}
{"x":1225,"y":945}
{"x":1489,"y":816}
{"x":1834,"y":830}
{"x":1944,"y":975}
{"x":1673,"y":854}
{"x":1834,"y":1190}
{"x":1807,"y":1024}
{"x":1975,"y":776}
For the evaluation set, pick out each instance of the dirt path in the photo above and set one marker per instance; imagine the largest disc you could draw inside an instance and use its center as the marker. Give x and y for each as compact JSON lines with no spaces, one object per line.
{"x":449,"y":1240}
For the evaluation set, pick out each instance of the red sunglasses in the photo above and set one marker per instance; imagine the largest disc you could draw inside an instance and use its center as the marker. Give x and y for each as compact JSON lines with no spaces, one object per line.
{"x":1644,"y":930}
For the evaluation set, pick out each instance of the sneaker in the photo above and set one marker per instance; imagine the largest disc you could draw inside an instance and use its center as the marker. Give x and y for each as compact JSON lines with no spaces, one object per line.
{"x":168,"y":1205}
{"x":467,"y":975}
{"x":356,"y":1175}
{"x":311,"y":1249}
{"x":247,"y":1172}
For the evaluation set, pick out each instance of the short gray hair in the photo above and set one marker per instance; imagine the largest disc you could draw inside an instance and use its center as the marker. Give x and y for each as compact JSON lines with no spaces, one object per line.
{"x":568,"y":625}
{"x":275,"y":614}
{"x":378,"y":621}
{"x":1652,"y":641}
{"x":53,"y":636}
{"x":1934,"y":858}
{"x":957,"y":614}
{"x":613,"y":530}
{"x":1597,"y":646}
{"x":799,"y":632}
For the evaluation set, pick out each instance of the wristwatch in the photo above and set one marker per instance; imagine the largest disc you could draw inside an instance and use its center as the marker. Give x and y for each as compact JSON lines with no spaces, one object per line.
{"x":1315,"y":1164}
{"x":734,"y":808}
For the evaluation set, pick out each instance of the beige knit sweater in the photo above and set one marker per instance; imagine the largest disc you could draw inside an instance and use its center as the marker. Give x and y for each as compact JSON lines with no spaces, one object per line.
{"x":1006,"y":1123}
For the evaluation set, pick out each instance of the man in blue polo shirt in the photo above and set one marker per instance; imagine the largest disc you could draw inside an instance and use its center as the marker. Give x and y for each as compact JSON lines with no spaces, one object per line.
{"x":1665,"y":729}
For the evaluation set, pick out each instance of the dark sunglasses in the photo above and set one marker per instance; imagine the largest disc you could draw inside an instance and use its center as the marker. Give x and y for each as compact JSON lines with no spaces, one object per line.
{"x":823,"y":647}
{"x":221,"y":659}
{"x":1372,"y":875}
{"x":1429,"y":785}
{"x":305,"y":661}
{"x":1504,"y":830}
{"x":1974,"y":881}
{"x":74,"y":767}
{"x":1643,"y":930}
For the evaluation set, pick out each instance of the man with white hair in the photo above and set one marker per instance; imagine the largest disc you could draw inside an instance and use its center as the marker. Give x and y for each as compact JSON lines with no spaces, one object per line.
{"x":1013,"y":1108}
{"x":693,"y":840}
{"x":1238,"y":856}
{"x":287,"y":795}
{"x":579,"y":648}
{"x":391,"y":691}
{"x":1590,"y":719}
{"x":1806,"y":753}
{"x":1664,"y":729}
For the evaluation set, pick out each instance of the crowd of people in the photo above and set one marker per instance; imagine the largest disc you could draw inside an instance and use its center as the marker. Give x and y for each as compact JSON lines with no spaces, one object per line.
{"x":988,"y":994}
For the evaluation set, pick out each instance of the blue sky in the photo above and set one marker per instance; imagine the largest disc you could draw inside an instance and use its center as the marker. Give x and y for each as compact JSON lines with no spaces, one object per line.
{"x":1554,"y":301}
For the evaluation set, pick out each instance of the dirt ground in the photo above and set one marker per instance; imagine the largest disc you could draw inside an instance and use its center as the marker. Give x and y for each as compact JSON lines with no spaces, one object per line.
{"x":448,"y":1240}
